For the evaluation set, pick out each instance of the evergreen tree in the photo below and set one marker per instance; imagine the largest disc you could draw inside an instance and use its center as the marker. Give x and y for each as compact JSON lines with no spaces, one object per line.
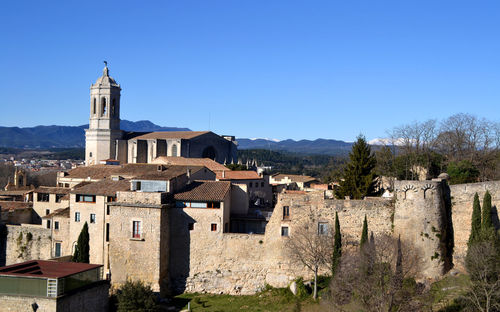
{"x":486,"y":223}
{"x":82,"y":248}
{"x":359,"y":174}
{"x":476,"y":221}
{"x":337,"y":245}
{"x":364,"y":233}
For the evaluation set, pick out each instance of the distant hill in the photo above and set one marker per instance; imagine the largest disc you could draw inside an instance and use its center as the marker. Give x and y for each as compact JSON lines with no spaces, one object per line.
{"x":308,"y":147}
{"x":65,"y":136}
{"x":43,"y":137}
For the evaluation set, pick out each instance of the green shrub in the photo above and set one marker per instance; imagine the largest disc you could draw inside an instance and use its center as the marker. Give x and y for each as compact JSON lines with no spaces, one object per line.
{"x":136,"y":296}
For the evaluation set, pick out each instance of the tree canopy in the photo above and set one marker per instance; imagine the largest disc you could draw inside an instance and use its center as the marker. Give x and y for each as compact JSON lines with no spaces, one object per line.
{"x":359,"y":174}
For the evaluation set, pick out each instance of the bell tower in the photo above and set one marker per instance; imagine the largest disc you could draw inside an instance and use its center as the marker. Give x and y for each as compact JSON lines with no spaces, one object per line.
{"x":104,"y":126}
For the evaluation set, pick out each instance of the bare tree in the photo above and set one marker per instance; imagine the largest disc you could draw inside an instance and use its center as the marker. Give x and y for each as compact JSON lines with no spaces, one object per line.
{"x":374,"y":276}
{"x":311,"y":244}
{"x":416,"y":143}
{"x":483,"y":265}
{"x":466,"y":137}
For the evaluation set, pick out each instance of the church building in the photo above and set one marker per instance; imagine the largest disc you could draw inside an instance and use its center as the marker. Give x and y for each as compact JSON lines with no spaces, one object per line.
{"x":105,"y":141}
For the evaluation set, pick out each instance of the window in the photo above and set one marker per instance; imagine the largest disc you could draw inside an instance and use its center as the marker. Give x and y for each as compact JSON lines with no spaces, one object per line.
{"x":90,"y":154}
{"x":77,"y":216}
{"x":56,"y":225}
{"x":58,"y":250}
{"x":284,"y":231}
{"x":48,"y":224}
{"x":103,"y":105}
{"x":138,"y":185}
{"x":213,"y":205}
{"x":107,"y":210}
{"x":213,"y":227}
{"x":42,"y":197}
{"x":113,"y":105}
{"x":92,"y":218}
{"x":47,"y":212}
{"x":286,"y":212}
{"x":174,"y":150}
{"x":136,"y":229}
{"x":59,"y":197}
{"x":322,"y":228}
{"x":107,"y":232}
{"x":190,"y":226}
{"x":85,"y":198}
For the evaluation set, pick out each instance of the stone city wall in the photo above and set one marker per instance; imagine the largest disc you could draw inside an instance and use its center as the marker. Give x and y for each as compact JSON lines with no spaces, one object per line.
{"x":217,"y":262}
{"x":22,"y":248}
{"x":462,"y":197}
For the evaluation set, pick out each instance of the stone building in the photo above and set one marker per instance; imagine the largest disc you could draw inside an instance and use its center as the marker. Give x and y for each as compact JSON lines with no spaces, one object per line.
{"x":48,"y":199}
{"x":259,"y":190}
{"x":104,"y":140}
{"x":291,"y":181}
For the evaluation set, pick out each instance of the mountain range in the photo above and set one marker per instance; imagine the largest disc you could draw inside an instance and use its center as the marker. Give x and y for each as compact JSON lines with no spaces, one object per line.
{"x":41,"y":137}
{"x":65,"y":136}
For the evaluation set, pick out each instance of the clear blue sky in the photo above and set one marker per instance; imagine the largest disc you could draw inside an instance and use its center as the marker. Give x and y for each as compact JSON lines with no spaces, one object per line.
{"x":273,"y":69}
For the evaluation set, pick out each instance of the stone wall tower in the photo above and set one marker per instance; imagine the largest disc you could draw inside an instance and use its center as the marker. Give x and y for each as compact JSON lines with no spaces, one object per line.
{"x":104,"y":126}
{"x":421,"y":217}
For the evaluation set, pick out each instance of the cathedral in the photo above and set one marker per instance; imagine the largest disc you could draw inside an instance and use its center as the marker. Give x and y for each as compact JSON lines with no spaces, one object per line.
{"x":105,"y":141}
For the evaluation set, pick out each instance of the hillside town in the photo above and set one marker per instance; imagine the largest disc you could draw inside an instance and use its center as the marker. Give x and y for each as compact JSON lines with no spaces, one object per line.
{"x":166,"y":210}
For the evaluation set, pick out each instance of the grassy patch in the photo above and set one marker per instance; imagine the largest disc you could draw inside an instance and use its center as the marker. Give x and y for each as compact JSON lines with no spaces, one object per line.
{"x":274,"y":299}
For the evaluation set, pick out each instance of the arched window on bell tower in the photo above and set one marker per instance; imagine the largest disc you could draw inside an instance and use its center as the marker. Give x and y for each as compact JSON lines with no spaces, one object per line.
{"x":113,"y":108}
{"x":94,"y":110}
{"x":103,"y":105}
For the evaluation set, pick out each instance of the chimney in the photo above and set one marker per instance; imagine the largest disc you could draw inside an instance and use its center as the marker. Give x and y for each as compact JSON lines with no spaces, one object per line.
{"x":188,"y":174}
{"x":223,"y":174}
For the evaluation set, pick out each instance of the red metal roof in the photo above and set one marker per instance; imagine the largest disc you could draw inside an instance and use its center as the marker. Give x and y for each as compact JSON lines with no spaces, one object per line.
{"x":45,"y":268}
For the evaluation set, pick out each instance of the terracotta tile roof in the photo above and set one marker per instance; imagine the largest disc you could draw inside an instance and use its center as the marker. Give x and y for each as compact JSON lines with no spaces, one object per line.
{"x":94,"y":172}
{"x":171,"y":135}
{"x":182,"y":161}
{"x":204,"y":191}
{"x":238,"y":175}
{"x":52,"y":190}
{"x":15,"y":192}
{"x":168,"y":172}
{"x":13,"y":205}
{"x":63,"y":212}
{"x":98,"y":172}
{"x":293,"y":177}
{"x":45,"y":268}
{"x":106,"y":187}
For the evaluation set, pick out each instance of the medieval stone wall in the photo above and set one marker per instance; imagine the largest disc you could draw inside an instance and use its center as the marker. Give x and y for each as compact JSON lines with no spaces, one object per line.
{"x":462,"y":197}
{"x":206,"y":261}
{"x":420,"y":219}
{"x":33,"y":244}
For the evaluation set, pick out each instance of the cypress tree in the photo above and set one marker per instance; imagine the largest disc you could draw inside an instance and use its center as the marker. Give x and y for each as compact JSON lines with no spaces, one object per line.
{"x":487,"y":224}
{"x":82,"y":248}
{"x":364,"y":234}
{"x":475,"y":231}
{"x":337,"y":245}
{"x":359,"y":174}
